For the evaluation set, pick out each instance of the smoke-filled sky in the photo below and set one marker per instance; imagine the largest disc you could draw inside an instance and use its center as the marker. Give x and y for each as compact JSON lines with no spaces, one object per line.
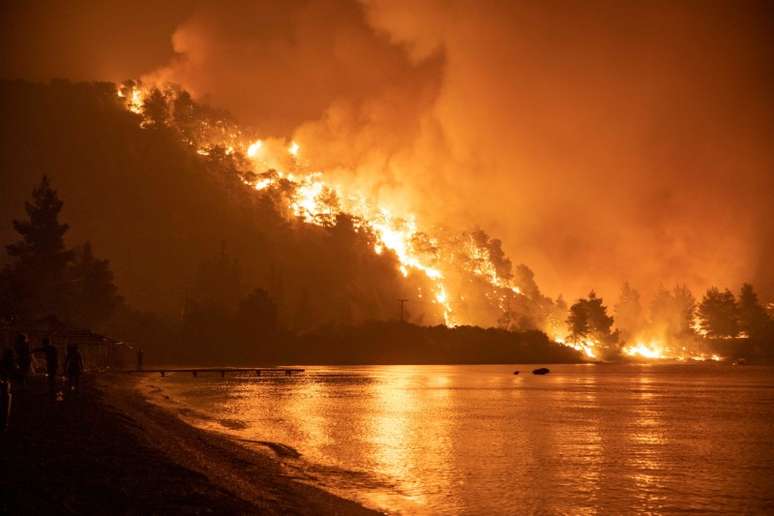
{"x":601,"y":141}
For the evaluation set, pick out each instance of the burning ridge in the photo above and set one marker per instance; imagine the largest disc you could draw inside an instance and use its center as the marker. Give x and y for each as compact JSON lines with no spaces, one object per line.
{"x":459,"y":277}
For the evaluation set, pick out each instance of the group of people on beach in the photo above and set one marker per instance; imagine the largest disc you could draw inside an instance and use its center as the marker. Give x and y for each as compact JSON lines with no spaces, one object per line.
{"x":16,"y":366}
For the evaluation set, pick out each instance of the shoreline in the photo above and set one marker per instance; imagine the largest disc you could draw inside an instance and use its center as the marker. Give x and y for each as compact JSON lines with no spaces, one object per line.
{"x":108,"y":449}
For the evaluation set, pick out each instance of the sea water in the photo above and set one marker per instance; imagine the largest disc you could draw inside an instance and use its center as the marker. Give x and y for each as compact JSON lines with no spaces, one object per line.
{"x":479,"y":439}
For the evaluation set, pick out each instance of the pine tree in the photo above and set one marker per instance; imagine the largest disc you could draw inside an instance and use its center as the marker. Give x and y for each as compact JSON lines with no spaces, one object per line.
{"x":601,"y":324}
{"x":588,"y":318}
{"x":718,"y":314}
{"x":578,"y":321}
{"x":39,"y":260}
{"x":752,"y":317}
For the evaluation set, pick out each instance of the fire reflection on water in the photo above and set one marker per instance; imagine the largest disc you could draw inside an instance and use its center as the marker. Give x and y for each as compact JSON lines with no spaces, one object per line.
{"x":394,"y":410}
{"x":648,"y":438}
{"x":456,"y":439}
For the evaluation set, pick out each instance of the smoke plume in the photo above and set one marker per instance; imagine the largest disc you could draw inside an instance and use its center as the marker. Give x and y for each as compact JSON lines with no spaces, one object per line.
{"x":601,"y":142}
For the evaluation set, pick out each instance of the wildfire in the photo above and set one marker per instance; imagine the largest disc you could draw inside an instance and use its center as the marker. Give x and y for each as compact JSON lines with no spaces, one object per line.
{"x":254,"y":148}
{"x":651,"y":350}
{"x":135,"y":100}
{"x":445,"y":262}
{"x":585,"y":346}
{"x":656,"y":350}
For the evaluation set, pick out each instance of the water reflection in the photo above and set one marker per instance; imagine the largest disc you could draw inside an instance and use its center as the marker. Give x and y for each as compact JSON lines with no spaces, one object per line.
{"x":647,"y":438}
{"x":477,"y":439}
{"x":305,"y":408}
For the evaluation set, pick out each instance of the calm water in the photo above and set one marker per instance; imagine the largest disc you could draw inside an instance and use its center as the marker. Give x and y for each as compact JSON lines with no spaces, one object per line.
{"x":479,"y":440}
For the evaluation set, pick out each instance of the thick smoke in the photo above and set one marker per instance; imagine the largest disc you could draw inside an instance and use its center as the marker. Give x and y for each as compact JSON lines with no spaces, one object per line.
{"x":601,"y":143}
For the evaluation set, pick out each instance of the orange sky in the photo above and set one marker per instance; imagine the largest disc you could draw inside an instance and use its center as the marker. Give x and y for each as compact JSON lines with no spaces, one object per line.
{"x":600,"y":141}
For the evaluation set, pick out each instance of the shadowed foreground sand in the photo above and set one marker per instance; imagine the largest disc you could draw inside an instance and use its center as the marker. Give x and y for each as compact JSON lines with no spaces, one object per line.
{"x":109,"y":451}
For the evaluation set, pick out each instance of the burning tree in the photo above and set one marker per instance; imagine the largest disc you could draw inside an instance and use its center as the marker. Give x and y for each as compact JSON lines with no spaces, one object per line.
{"x":671,"y":314}
{"x":588,"y":321}
{"x":628,"y":313}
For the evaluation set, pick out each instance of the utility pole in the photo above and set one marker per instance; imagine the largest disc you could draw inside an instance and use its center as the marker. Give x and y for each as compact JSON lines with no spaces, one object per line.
{"x":403,"y":310}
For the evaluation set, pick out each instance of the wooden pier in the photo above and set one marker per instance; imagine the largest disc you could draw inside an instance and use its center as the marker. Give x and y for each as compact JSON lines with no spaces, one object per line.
{"x":195,"y":371}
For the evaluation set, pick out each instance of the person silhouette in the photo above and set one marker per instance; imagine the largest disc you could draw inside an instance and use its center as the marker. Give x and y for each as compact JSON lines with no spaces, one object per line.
{"x":73,"y":367}
{"x":23,"y":358}
{"x":8,"y":371}
{"x":52,"y":363}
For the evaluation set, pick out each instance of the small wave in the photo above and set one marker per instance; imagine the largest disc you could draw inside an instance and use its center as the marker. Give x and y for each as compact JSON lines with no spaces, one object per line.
{"x":281,"y":450}
{"x":187,"y":412}
{"x":233,"y":424}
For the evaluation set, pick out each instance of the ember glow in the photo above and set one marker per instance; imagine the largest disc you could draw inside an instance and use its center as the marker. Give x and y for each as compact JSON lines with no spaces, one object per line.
{"x":134,"y":98}
{"x":651,"y":350}
{"x":656,"y":350}
{"x":254,"y":148}
{"x":585,"y":346}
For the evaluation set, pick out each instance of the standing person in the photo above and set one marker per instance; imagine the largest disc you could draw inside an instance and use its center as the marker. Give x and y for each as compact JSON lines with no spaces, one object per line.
{"x":73,"y":366}
{"x":139,"y":359}
{"x":52,"y":363}
{"x":23,"y":358}
{"x":8,"y":371}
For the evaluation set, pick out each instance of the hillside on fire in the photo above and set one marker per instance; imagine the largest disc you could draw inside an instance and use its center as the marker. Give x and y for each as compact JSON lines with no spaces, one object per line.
{"x":229,"y":245}
{"x":161,"y":212}
{"x":190,"y":241}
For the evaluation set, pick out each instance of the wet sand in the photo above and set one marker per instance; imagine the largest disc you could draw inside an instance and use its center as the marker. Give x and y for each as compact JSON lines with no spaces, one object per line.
{"x":107,"y":450}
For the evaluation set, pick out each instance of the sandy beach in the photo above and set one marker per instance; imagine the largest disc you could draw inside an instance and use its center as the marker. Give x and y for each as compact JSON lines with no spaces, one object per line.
{"x":108,"y":450}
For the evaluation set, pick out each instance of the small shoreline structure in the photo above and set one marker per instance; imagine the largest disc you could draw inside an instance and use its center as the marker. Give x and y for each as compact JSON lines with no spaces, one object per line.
{"x":196,"y":371}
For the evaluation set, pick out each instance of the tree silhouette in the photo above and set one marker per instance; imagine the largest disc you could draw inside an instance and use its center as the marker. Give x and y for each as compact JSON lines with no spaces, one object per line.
{"x":588,"y":319}
{"x":578,"y":321}
{"x":753,"y":319}
{"x":155,"y":108}
{"x":718,"y":314}
{"x":39,"y":260}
